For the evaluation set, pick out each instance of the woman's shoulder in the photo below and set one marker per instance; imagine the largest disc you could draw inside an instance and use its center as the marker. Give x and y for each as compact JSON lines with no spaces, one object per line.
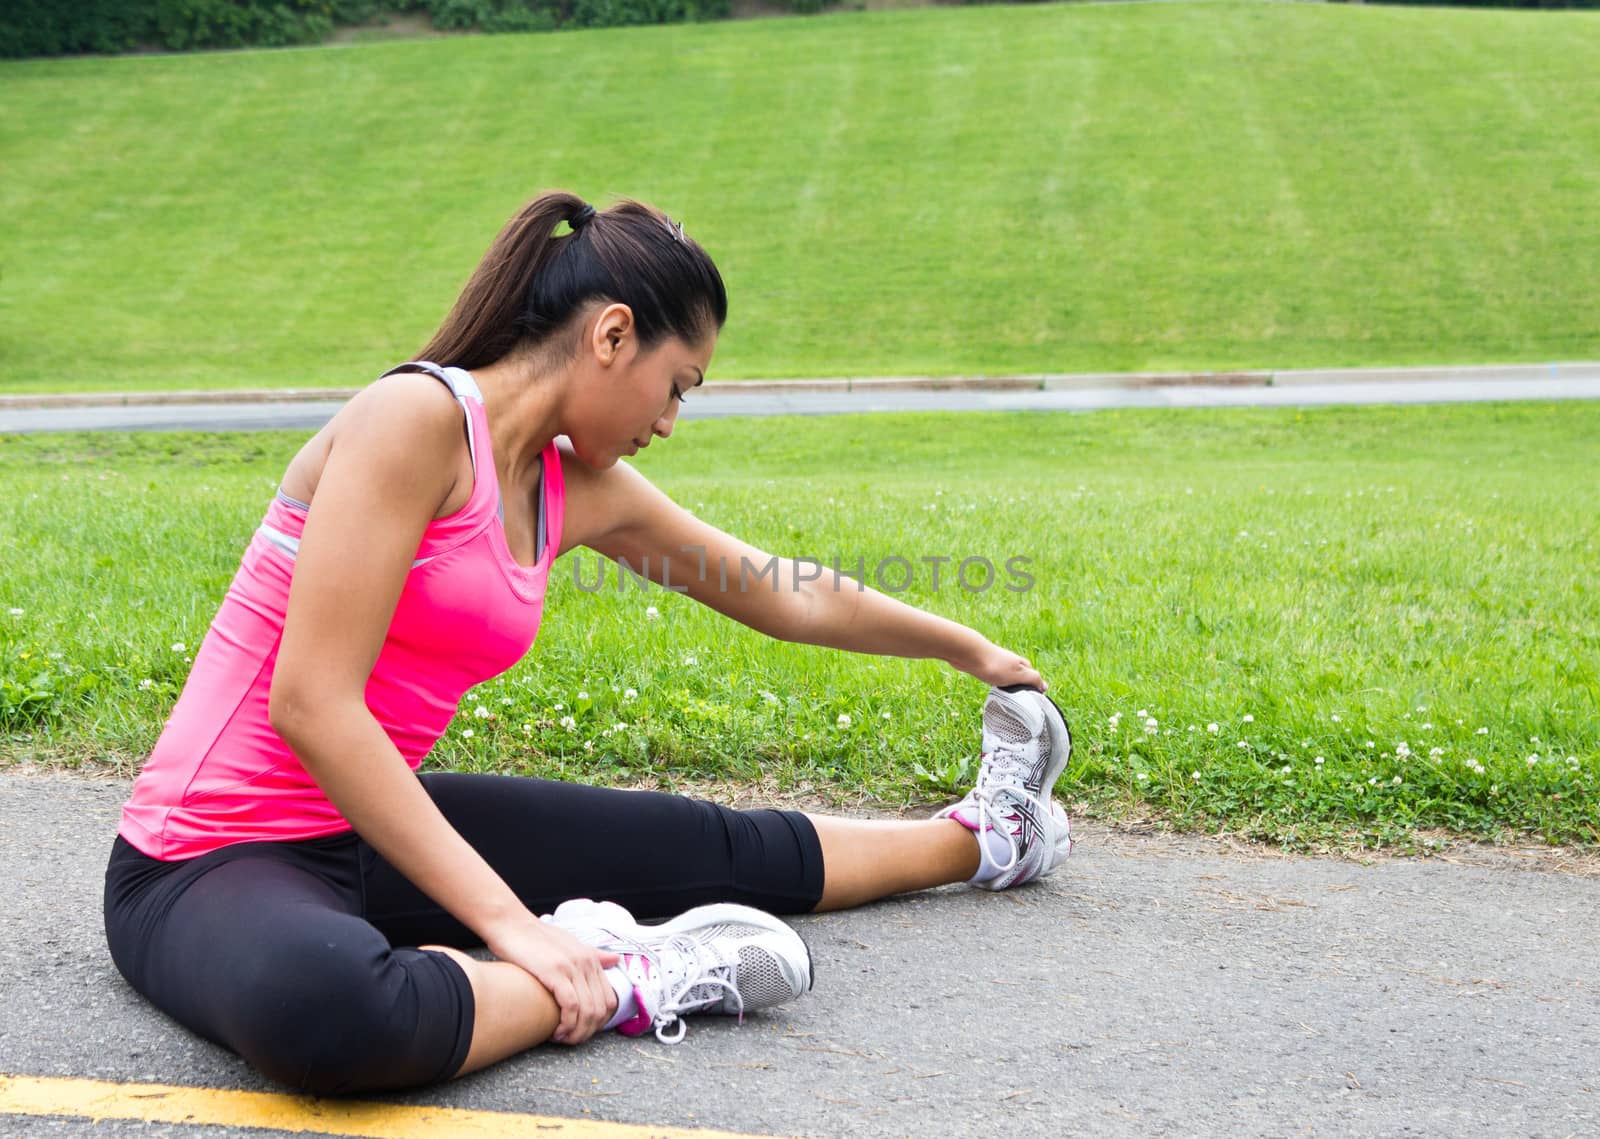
{"x":405,"y":428}
{"x":402,"y":401}
{"x":598,"y":502}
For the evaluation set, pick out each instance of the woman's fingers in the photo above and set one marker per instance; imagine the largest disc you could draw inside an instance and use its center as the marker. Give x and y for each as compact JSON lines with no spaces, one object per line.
{"x":566,"y":996}
{"x":586,"y":1001}
{"x":599,"y":994}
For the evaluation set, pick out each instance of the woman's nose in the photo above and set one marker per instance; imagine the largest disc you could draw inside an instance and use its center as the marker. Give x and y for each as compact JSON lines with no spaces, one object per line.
{"x":663,"y":425}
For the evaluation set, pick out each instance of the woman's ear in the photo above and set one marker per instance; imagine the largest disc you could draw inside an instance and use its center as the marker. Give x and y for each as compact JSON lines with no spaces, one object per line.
{"x":613,"y":330}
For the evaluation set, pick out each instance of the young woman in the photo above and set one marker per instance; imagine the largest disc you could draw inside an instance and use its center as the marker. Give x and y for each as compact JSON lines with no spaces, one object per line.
{"x":279,"y":855}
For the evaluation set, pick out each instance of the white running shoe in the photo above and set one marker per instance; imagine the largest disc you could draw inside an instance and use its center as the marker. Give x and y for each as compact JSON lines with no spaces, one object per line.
{"x":723,"y":958}
{"x":1026,"y":745}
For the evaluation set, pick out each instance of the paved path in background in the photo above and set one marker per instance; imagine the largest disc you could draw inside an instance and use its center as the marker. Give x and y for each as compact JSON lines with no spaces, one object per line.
{"x":1057,"y":393}
{"x":1152,"y":987}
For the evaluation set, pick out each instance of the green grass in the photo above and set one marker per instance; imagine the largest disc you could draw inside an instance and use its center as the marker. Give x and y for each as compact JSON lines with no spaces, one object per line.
{"x":1327,"y":583}
{"x":1024,"y":189}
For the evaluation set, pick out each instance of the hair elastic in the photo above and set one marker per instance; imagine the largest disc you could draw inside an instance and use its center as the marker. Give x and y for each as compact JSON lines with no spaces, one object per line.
{"x":580,"y":219}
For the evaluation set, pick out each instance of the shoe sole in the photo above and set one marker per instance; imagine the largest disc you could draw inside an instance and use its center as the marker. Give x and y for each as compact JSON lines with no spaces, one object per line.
{"x":717,"y":913}
{"x":1060,"y":738}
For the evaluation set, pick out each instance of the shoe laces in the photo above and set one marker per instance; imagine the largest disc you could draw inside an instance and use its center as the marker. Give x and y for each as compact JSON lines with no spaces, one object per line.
{"x":691,"y":974}
{"x":1005,"y":768}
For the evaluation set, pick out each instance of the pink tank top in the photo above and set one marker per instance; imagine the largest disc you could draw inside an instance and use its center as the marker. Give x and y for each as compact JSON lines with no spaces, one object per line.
{"x":220,"y":775}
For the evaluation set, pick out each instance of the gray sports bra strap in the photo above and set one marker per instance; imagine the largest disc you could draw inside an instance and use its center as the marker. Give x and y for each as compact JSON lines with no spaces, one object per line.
{"x":430,"y":368}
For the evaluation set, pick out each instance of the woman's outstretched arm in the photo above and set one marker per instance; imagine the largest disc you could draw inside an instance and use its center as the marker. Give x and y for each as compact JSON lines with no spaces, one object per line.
{"x":790,"y":599}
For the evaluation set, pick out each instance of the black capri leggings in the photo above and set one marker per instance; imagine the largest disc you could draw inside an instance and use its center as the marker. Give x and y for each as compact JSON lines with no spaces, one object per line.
{"x":285,"y":952}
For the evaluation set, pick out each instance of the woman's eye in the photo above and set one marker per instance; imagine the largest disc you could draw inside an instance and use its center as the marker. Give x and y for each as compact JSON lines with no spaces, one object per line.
{"x":678,"y":395}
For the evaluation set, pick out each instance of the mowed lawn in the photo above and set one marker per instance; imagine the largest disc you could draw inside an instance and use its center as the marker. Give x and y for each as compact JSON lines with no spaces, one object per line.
{"x":998,"y":189}
{"x":1344,"y":625}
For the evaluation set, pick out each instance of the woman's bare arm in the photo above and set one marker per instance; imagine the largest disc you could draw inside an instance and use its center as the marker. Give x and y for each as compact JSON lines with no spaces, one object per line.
{"x":786,"y":598}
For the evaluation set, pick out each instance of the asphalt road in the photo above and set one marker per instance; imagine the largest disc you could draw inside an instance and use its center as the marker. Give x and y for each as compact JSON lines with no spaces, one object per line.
{"x":1306,"y":390}
{"x":1152,"y":987}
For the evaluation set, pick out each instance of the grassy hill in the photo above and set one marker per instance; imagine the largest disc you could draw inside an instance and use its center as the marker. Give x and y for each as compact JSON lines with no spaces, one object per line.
{"x":1042,"y":188}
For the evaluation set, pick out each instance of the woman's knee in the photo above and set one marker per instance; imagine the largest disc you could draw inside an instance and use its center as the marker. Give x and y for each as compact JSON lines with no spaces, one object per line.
{"x":340,"y":1022}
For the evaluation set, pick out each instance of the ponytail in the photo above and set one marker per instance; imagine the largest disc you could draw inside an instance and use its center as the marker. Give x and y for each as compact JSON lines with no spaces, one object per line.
{"x":531,"y":282}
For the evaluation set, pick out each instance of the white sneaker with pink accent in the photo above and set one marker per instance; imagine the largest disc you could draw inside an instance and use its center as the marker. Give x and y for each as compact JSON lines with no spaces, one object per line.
{"x":1022,"y":832}
{"x":724,"y":958}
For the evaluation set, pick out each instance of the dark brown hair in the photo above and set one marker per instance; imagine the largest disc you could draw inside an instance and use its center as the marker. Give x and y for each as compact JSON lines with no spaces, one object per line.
{"x":531,"y":282}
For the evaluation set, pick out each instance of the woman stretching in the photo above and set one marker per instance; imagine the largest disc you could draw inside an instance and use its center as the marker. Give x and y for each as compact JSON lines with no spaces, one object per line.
{"x":279,"y":854}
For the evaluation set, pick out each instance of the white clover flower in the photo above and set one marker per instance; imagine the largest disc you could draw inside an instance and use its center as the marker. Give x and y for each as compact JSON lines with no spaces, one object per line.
{"x":527,"y":729}
{"x":769,"y":697}
{"x":146,"y":684}
{"x":468,"y":734}
{"x":1334,"y":717}
{"x":1402,"y":749}
{"x":1142,"y":714}
{"x":481,"y":712}
{"x":1373,"y":782}
{"x":886,"y":716}
{"x":18,"y":612}
{"x":1533,"y":739}
{"x":1194,"y":775}
{"x":588,"y":745}
{"x":1481,"y":732}
{"x":568,"y":723}
{"x":691,"y":661}
{"x":1286,"y":769}
{"x":505,"y":701}
{"x":582,"y":695}
{"x":1192,"y":728}
{"x":843,"y":720}
{"x":1532,"y":760}
{"x":1317,"y":761}
{"x":1435,"y":752}
{"x":1151,"y":729}
{"x":1396,"y":781}
{"x":1422,"y":707}
{"x":651,"y":613}
{"x":1242,"y":743}
{"x":178,"y":646}
{"x":1142,"y":777}
{"x":1370,"y":743}
{"x":1212,"y":728}
{"x":1149,"y":721}
{"x":1249,"y":719}
{"x":631,"y":694}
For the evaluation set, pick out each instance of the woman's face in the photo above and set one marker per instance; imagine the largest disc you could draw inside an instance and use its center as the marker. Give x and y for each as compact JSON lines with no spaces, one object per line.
{"x":632,"y":396}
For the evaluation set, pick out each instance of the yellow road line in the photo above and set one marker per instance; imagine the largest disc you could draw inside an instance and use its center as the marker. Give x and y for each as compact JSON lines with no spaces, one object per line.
{"x":164,"y":1103}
